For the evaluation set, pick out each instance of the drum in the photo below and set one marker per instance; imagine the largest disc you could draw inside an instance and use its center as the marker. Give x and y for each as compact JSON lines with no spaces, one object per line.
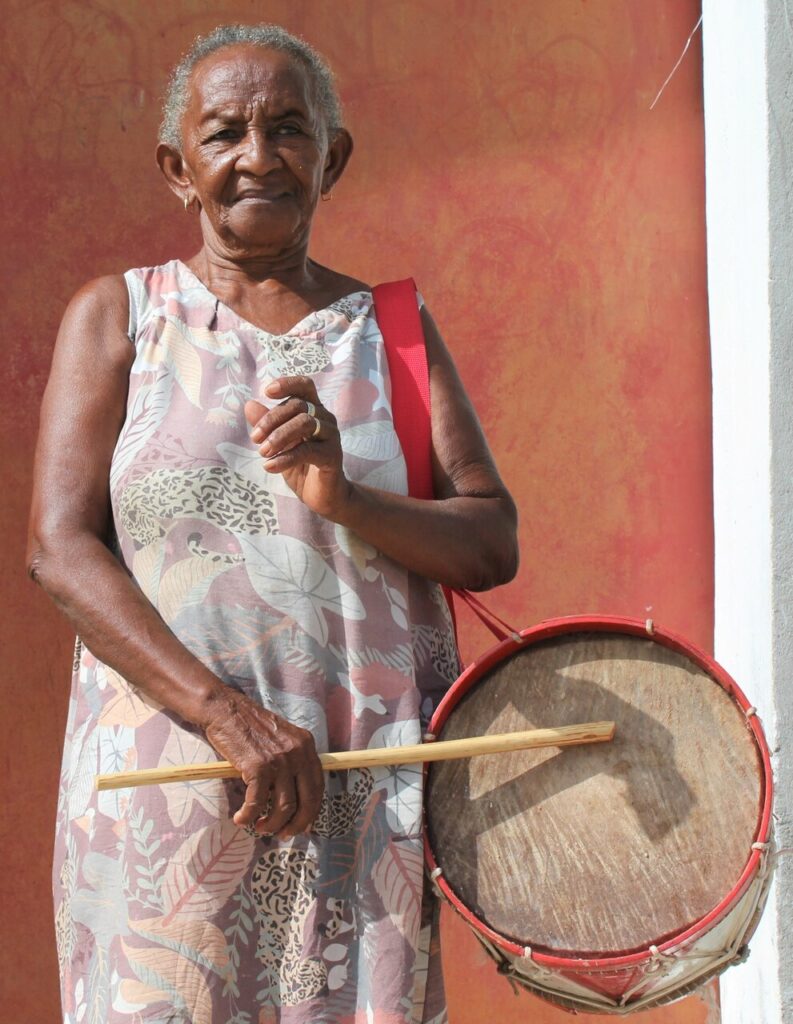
{"x":613,"y":877}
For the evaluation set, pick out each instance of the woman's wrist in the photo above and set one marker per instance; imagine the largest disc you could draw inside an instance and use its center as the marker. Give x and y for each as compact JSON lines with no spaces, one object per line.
{"x":350,"y":511}
{"x":211,"y":698}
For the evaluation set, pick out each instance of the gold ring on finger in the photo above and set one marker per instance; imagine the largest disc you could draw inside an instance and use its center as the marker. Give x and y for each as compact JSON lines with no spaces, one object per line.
{"x":317,"y":428}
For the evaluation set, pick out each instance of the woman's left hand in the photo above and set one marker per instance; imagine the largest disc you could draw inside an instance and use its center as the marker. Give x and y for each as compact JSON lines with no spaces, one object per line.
{"x":299,"y":439}
{"x":465,"y":538}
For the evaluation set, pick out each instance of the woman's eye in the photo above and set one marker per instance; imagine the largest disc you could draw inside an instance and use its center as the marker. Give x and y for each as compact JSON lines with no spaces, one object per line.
{"x":287,"y":129}
{"x":225,"y":134}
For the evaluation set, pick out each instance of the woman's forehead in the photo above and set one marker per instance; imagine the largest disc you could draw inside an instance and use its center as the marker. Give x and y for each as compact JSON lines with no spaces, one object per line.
{"x":238,"y":75}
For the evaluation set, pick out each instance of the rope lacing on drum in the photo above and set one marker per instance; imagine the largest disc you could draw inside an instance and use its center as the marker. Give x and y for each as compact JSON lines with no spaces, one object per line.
{"x":658,"y":960}
{"x":513,"y":974}
{"x":535,"y":981}
{"x":533,"y":977}
{"x":750,"y":712}
{"x":735,"y":953}
{"x":538,"y":968}
{"x":429,"y":737}
{"x":503,"y":966}
{"x":506,"y":970}
{"x":435,"y":874}
{"x":649,"y":626}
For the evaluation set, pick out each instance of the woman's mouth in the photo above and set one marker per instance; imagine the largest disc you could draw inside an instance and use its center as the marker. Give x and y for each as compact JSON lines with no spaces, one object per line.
{"x":252,"y":196}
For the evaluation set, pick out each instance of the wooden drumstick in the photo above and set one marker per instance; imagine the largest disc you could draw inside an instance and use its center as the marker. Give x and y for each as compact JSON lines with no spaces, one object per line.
{"x":444,"y":750}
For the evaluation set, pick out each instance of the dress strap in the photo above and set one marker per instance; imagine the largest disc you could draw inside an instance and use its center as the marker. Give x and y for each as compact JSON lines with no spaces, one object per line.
{"x":138,"y":301}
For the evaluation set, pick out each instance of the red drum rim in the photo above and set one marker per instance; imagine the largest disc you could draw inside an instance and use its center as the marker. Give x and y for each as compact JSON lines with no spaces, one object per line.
{"x":636,"y":627}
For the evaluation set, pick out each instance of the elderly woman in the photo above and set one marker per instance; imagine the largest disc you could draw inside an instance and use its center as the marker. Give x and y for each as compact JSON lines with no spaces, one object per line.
{"x":221,"y":511}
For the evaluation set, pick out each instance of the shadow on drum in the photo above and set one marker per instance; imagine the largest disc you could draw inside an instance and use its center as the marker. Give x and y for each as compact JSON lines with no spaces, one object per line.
{"x":624,"y":801}
{"x":641,"y":757}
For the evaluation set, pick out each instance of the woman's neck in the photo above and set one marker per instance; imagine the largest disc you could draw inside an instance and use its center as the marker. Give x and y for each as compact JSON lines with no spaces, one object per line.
{"x":289,"y":270}
{"x":272,"y":293}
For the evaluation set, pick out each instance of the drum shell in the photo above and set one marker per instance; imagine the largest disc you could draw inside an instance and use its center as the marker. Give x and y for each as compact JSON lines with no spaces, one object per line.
{"x":619,"y":984}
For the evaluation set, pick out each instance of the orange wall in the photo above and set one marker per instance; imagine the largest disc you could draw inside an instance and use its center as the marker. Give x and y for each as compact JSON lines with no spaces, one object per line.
{"x":507,"y":158}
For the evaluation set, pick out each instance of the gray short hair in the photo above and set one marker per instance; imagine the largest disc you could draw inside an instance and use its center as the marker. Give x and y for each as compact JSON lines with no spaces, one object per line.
{"x":269,"y":37}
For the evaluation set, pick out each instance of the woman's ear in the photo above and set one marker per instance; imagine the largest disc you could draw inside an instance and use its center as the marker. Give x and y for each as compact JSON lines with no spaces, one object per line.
{"x":339,"y":153}
{"x":172,"y":165}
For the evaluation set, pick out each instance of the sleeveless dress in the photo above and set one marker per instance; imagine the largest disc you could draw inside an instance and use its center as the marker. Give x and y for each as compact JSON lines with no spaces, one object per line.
{"x":165,"y":910}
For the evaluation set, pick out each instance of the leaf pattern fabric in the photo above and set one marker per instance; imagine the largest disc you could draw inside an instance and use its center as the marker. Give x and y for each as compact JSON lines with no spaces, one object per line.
{"x":166,"y":912}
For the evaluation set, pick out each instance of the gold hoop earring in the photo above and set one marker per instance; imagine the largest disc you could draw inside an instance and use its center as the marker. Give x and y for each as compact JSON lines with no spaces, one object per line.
{"x":188,"y":200}
{"x":326,"y":197}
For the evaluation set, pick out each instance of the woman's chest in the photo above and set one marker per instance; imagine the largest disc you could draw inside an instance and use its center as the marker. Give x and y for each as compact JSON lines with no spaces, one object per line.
{"x":184,"y":449}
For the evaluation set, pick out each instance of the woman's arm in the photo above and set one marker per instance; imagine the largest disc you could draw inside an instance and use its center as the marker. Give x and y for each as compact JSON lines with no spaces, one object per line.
{"x":82,"y":414}
{"x":466,"y":539}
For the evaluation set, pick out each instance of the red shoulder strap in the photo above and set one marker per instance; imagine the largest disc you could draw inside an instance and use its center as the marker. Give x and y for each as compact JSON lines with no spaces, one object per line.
{"x":399,"y":320}
{"x":400,"y":324}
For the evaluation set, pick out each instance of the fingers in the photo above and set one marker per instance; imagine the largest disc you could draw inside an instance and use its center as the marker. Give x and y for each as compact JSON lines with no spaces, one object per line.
{"x":301,"y":427}
{"x":257,"y":800}
{"x":284,"y":388}
{"x":284,"y":781}
{"x":299,"y":387}
{"x":283,"y":802}
{"x":254,"y":411}
{"x":281,"y":807}
{"x":310,"y":788}
{"x":293,"y":422}
{"x":271,"y":806}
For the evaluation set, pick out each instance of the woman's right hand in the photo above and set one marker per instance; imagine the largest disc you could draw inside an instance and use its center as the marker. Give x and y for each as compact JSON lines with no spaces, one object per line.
{"x":278,"y":762}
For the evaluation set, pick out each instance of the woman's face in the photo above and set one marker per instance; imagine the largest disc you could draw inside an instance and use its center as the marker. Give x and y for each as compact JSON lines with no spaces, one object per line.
{"x":255,"y":150}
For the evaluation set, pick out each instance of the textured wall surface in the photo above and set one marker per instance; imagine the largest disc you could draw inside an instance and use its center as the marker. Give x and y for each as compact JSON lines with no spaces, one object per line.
{"x":507,"y":157}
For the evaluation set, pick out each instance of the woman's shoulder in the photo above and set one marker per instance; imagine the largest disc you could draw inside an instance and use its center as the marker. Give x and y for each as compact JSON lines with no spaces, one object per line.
{"x":94,"y":323}
{"x":121,"y":301}
{"x":347,"y":285}
{"x":112,"y":291}
{"x":341,"y":286}
{"x":105,"y":299}
{"x":333,"y":285}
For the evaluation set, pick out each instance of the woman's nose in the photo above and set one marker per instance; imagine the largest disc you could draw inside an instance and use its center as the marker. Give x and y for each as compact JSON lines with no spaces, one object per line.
{"x":258,"y":153}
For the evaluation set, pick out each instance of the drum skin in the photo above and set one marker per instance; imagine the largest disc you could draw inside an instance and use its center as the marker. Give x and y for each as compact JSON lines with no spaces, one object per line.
{"x":607,"y":877}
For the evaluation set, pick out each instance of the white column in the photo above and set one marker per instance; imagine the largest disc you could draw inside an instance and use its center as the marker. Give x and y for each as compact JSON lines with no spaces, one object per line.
{"x":749,"y":184}
{"x":779,"y":78}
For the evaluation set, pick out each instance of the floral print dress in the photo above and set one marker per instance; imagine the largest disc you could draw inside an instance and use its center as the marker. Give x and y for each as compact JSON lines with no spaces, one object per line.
{"x":165,"y":910}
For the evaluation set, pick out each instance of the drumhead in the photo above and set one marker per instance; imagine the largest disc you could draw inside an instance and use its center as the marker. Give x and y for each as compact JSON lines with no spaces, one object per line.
{"x":600,"y":850}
